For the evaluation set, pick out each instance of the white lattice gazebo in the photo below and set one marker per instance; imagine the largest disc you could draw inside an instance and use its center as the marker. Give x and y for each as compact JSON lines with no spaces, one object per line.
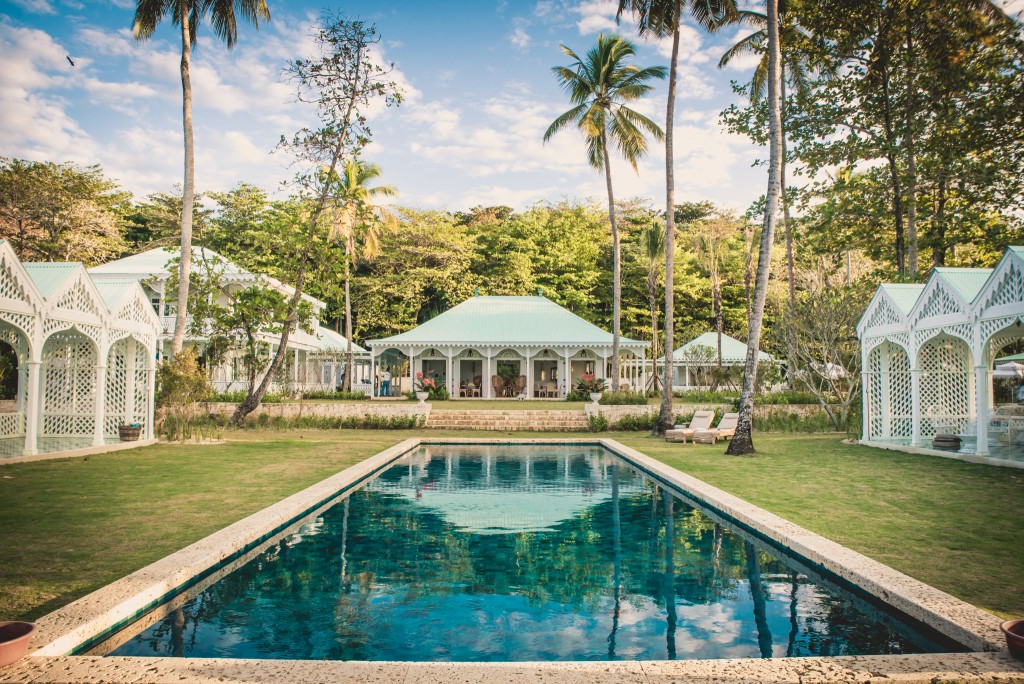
{"x":85,"y":356}
{"x":928,"y":353}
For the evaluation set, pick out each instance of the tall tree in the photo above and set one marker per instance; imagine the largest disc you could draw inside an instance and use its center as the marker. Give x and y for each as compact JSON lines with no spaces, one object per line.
{"x":221,"y":15}
{"x":341,"y":81}
{"x":710,"y":240}
{"x":652,"y":245}
{"x":599,"y":85}
{"x":357,"y":219}
{"x":742,"y":443}
{"x":662,"y":18}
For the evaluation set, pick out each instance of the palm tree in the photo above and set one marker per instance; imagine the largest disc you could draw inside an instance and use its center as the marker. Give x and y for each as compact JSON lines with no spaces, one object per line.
{"x":221,"y":13}
{"x":357,"y":220}
{"x":662,"y":18}
{"x":796,"y":69}
{"x":652,"y":253}
{"x":742,"y":443}
{"x":598,"y":86}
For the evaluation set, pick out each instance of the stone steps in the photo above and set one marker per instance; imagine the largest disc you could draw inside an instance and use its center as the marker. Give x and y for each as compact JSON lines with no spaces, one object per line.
{"x":466,"y":419}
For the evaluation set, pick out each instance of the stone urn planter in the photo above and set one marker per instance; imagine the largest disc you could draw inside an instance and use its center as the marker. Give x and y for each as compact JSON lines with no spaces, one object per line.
{"x":422,"y":396}
{"x":1014,"y":632}
{"x":14,"y":638}
{"x":595,"y":397}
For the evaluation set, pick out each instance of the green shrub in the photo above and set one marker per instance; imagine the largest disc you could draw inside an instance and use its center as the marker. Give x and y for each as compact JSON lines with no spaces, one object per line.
{"x":597,"y":423}
{"x":332,"y":395}
{"x":180,"y":384}
{"x":265,"y":422}
{"x":238,"y":396}
{"x":783,"y":420}
{"x":708,"y":397}
{"x":439,"y":394}
{"x":623,"y":398}
{"x":577,"y":395}
{"x":637,"y":422}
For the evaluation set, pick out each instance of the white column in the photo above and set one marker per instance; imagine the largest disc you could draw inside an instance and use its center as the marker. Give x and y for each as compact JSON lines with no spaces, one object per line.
{"x":373,"y":374}
{"x":643,"y":373}
{"x":151,"y":387}
{"x":33,"y":406}
{"x":865,"y":406}
{"x":529,"y":373}
{"x":450,"y":375}
{"x":22,"y":381}
{"x":488,"y":392}
{"x":101,"y":400}
{"x":567,"y":376}
{"x":884,"y":398}
{"x":915,"y":405}
{"x":982,"y":402}
{"x":412,"y":372}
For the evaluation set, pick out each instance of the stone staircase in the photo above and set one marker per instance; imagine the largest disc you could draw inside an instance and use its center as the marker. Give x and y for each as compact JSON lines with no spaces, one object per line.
{"x":466,"y":419}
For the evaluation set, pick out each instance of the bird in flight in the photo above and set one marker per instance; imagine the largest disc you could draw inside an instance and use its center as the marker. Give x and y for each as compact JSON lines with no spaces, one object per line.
{"x":69,"y":60}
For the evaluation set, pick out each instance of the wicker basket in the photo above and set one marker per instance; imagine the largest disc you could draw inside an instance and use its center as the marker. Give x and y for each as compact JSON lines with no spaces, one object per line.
{"x":129,"y":433}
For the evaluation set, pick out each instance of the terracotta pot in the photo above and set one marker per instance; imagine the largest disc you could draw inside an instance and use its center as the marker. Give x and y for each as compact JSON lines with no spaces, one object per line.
{"x":1014,"y":631}
{"x":14,"y":638}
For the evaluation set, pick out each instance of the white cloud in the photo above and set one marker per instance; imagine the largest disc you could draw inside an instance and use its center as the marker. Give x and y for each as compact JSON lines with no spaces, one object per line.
{"x":35,"y":6}
{"x":520,"y":38}
{"x":595,"y":16}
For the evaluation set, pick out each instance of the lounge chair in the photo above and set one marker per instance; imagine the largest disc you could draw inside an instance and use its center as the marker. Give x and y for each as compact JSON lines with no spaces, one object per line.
{"x":701,"y":421}
{"x":726,"y":429}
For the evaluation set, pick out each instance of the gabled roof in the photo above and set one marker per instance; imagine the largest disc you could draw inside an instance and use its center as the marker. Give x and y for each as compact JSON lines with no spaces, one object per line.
{"x":331,"y":341}
{"x":733,"y":351}
{"x":49,"y":276}
{"x":113,"y":291}
{"x":153,"y":264}
{"x":966,"y":281}
{"x":903,"y":295}
{"x":506,"y":321}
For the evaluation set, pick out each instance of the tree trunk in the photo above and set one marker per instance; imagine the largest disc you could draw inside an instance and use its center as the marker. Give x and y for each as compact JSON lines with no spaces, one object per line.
{"x":665,"y":417}
{"x":716,"y":297}
{"x":616,"y":265}
{"x":890,"y":145}
{"x":347,"y":386}
{"x":939,"y":248}
{"x":790,"y":266}
{"x":908,"y":139}
{"x":764,"y":634}
{"x":652,"y":297}
{"x":189,"y":187}
{"x":743,"y":443}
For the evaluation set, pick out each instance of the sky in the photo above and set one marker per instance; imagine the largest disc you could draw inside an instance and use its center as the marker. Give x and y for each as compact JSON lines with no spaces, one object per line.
{"x":479,"y":94}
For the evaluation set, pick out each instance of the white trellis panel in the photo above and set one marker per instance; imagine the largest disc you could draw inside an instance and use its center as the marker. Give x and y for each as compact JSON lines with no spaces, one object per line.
{"x":69,"y":385}
{"x":946,"y":382}
{"x":12,"y":424}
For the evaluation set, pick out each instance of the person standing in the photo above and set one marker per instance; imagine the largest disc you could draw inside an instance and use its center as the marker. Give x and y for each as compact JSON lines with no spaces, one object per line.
{"x":385,"y":385}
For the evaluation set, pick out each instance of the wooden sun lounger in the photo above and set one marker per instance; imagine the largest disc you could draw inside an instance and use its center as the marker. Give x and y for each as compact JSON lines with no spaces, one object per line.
{"x":701,"y":421}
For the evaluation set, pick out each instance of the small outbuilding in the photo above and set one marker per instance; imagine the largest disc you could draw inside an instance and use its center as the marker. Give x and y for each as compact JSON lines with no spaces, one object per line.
{"x":85,"y":356}
{"x":503,"y":346}
{"x":692,"y":362}
{"x":928,"y":353}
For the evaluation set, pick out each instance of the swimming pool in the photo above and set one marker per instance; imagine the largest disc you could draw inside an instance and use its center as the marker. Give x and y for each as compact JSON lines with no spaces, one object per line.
{"x":522,"y":553}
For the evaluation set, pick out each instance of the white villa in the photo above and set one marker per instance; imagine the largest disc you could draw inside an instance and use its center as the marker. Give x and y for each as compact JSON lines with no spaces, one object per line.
{"x":314,"y":362}
{"x":492,"y":347}
{"x":691,"y":361}
{"x":85,"y":353}
{"x":928,"y":353}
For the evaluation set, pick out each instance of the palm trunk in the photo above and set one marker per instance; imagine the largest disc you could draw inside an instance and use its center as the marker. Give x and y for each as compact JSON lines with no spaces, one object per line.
{"x":189,"y":189}
{"x":652,"y":298}
{"x":790,"y":266}
{"x":348,"y":327}
{"x":716,"y":297}
{"x":764,"y":634}
{"x":743,"y":443}
{"x":890,"y":145}
{"x":665,"y":417}
{"x":616,"y":265}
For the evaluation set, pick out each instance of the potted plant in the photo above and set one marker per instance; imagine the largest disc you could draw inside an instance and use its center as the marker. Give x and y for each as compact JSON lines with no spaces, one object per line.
{"x":14,"y":638}
{"x":424,"y":386}
{"x":129,"y":432}
{"x":592,"y":385}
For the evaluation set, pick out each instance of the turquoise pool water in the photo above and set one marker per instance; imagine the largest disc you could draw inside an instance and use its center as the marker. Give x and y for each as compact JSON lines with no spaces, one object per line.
{"x":471,"y":553}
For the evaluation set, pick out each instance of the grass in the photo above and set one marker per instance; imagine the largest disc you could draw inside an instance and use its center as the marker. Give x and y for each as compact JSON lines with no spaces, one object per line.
{"x":70,"y":526}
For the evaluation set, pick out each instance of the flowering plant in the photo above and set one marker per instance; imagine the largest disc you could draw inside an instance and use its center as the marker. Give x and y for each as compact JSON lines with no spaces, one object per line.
{"x":590,"y":383}
{"x":425,"y":383}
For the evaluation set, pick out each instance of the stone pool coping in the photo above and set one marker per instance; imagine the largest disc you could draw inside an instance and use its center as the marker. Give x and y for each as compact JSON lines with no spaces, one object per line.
{"x":66,"y":629}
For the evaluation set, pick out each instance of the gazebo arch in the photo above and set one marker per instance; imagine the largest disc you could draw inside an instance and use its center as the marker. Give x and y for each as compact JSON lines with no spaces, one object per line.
{"x":73,"y":336}
{"x":950,"y":329}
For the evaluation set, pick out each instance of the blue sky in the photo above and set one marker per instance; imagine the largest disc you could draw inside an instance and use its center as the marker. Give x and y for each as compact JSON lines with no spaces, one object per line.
{"x":479,"y":95}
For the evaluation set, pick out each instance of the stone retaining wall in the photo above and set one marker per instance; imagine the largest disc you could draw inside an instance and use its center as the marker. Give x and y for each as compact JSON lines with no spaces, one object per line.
{"x":614,"y":413}
{"x":328,"y":409}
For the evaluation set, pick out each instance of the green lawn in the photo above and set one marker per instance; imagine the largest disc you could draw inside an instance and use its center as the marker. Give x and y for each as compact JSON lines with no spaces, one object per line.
{"x":70,"y":526}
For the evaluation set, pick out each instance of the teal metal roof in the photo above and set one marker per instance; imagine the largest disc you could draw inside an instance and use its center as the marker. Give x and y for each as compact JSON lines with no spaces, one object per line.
{"x":966,"y":281}
{"x":113,"y":291}
{"x":1017,"y":358}
{"x":506,"y":321}
{"x":733,"y":351}
{"x":335,"y":342}
{"x":904,"y":295}
{"x":154,"y":262}
{"x":1019,"y":251}
{"x":49,"y":276}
